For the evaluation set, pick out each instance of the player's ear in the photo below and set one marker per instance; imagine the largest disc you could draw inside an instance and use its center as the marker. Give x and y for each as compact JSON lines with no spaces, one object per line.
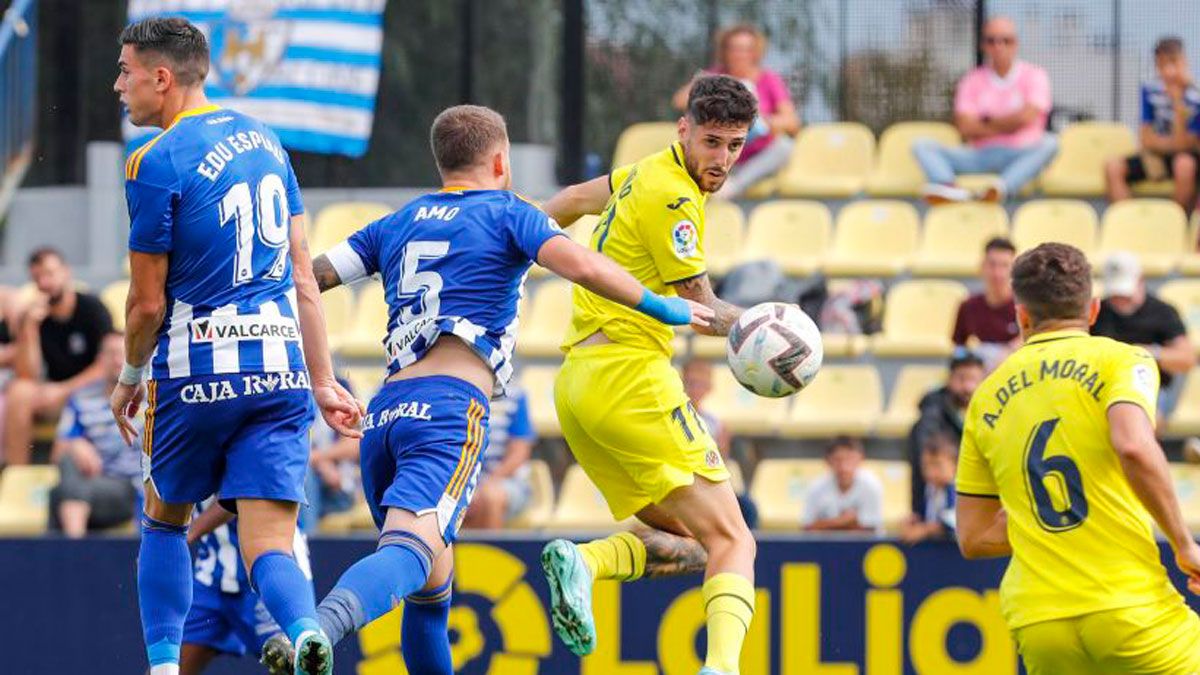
{"x":498,"y":164}
{"x":1024,"y":322}
{"x":1093,"y":311}
{"x":163,"y":77}
{"x":683,"y":127}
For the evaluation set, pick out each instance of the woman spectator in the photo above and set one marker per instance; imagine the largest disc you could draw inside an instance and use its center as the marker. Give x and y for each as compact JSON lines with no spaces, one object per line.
{"x":739,"y":53}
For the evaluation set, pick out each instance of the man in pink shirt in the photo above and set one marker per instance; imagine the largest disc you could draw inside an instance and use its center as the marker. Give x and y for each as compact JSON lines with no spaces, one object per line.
{"x":1001,"y":110}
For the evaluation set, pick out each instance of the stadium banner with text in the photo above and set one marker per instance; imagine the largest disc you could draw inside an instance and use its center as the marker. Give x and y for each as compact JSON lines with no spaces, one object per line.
{"x":309,"y":69}
{"x":836,"y":607}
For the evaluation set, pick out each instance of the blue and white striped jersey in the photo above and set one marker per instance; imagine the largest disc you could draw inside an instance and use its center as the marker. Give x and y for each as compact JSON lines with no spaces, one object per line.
{"x":216,"y":191}
{"x":218,"y":561}
{"x":452,"y":262}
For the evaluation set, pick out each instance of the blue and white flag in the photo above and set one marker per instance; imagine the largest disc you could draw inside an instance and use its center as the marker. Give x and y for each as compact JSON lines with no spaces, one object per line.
{"x":309,"y":69}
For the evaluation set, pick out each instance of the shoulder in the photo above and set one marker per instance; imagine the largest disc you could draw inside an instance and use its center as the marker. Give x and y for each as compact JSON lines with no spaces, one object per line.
{"x":973,"y":76}
{"x":1033,"y":71}
{"x":1153,"y":86}
{"x":90,"y":303}
{"x":1160,"y":307}
{"x":974,"y":301}
{"x":152,"y":161}
{"x":867,"y":480}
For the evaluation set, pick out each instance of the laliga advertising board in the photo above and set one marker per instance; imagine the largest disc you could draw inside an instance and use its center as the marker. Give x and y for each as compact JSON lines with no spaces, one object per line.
{"x":826,"y":607}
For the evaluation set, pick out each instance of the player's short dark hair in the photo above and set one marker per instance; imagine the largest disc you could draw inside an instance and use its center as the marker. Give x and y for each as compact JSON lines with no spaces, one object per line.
{"x":940,"y":443}
{"x":41,"y":254}
{"x":844,"y":443}
{"x":1053,"y":281}
{"x":1168,"y":46}
{"x":721,"y":100}
{"x":963,"y":357}
{"x":177,"y":40}
{"x":462,"y":135}
{"x":999,"y":244}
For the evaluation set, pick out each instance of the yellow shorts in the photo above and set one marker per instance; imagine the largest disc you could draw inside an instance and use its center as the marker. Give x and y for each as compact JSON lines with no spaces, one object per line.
{"x":1159,"y":638}
{"x":629,"y":424}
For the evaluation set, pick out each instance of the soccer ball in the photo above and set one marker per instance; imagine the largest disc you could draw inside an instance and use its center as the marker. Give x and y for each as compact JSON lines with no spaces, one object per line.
{"x":775,"y":349}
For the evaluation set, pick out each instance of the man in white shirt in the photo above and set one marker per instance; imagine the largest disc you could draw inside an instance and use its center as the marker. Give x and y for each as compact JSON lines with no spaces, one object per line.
{"x":848,"y":498}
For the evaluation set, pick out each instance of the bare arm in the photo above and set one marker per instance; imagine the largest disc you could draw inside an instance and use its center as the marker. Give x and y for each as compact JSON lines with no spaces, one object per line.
{"x":982,"y":527}
{"x":846,"y":522}
{"x":516,"y":453}
{"x":208,"y":520}
{"x":145,"y":306}
{"x":326,"y":276}
{"x":1006,"y":124}
{"x":699,"y":290}
{"x":1176,"y":357}
{"x":1153,"y":142}
{"x":27,"y":343}
{"x":680,"y":98}
{"x":1146,"y":469}
{"x":1181,"y":137}
{"x":785,"y":120}
{"x":971,"y":127}
{"x":579,"y":200}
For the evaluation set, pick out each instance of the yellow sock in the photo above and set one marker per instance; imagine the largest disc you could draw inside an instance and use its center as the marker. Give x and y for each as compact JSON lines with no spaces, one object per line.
{"x":621,"y":556}
{"x":729,"y":606}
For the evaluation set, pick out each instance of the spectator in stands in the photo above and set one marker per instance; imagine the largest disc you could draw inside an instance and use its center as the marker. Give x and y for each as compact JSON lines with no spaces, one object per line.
{"x":1131,"y":314}
{"x":100,"y":474}
{"x":941,"y":412}
{"x":1168,"y":133}
{"x":334,"y":481}
{"x":57,"y":350}
{"x":1000,"y":109}
{"x":697,"y":377}
{"x":739,"y":53}
{"x":987,"y":321}
{"x":504,"y":488}
{"x":939,"y":461}
{"x":849,"y":497}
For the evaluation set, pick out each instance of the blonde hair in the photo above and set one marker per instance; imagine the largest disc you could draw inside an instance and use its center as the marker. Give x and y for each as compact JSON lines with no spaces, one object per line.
{"x":722,"y":37}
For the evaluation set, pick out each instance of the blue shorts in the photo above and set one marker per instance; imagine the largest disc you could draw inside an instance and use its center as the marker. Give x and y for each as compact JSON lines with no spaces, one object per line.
{"x":231,"y":623}
{"x":240,"y":436}
{"x":422,"y":440}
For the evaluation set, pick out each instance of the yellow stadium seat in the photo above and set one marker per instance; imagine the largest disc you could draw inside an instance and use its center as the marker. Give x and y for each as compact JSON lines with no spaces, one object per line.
{"x":1186,"y":478}
{"x":741,"y":411}
{"x":843,"y":399}
{"x":913,"y":382}
{"x":538,"y":383}
{"x":829,"y":160}
{"x":954,"y":237}
{"x":1069,"y":221}
{"x":549,"y":318}
{"x":793,"y":233}
{"x":707,"y":346}
{"x":918,"y":318}
{"x":113,"y":296}
{"x":762,"y":189}
{"x":896,"y":477}
{"x":844,"y":345}
{"x":25,"y":499}
{"x":736,"y":479}
{"x":1185,"y":418}
{"x":338,"y":221}
{"x":1155,"y":188}
{"x":646,"y":138}
{"x":1184,"y":295}
{"x":541,"y":501}
{"x":779,"y":488}
{"x":1083,"y":148}
{"x":364,"y":339}
{"x":1189,"y":264}
{"x":357,"y":518}
{"x":364,"y":380}
{"x":873,"y":238}
{"x":580,"y":504}
{"x":724,"y":230}
{"x":897,"y":173}
{"x":338,"y":304}
{"x":1154,"y":229}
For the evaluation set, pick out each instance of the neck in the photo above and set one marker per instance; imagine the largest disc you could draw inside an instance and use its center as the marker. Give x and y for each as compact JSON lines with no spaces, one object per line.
{"x":997,"y":297}
{"x":1003,"y":69}
{"x":1055,"y":325}
{"x":471,"y":180}
{"x":66,"y":307}
{"x":181,"y":102}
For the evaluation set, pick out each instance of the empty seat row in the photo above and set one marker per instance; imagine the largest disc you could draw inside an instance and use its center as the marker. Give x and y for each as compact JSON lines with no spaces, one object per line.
{"x":842,"y":159}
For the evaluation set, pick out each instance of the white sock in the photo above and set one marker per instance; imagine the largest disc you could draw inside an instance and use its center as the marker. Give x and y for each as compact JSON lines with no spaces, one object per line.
{"x":165,"y":669}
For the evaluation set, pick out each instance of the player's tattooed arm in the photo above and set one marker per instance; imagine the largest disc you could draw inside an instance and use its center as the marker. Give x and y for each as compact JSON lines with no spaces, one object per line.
{"x":699,"y":289}
{"x":670,"y":555}
{"x":327,"y":276}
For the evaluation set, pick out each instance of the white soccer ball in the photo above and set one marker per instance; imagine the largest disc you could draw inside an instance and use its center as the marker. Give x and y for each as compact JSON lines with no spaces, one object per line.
{"x":775,"y":349}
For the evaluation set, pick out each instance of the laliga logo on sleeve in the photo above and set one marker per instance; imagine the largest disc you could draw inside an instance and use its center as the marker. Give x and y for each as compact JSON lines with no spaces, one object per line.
{"x":685,"y":238}
{"x":1144,"y":380}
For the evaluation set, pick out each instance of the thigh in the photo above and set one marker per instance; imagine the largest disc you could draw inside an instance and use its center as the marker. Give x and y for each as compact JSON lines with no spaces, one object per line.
{"x":420,"y":453}
{"x":1054,"y":648}
{"x":964,"y":158}
{"x":1157,"y":639}
{"x":266,"y":456}
{"x":185,"y":426}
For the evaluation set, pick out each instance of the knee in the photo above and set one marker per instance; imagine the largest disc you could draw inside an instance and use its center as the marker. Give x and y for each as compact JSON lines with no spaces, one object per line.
{"x":1183,"y":165}
{"x":20,"y":393}
{"x":1048,"y":147}
{"x":1114,"y":169}
{"x":925,"y":146}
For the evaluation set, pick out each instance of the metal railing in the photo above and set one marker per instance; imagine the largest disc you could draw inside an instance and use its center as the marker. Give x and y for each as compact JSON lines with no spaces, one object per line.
{"x":18,"y":91}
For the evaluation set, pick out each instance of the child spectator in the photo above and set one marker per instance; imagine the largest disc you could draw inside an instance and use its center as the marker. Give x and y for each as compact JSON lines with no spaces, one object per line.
{"x":739,"y":53}
{"x":1168,"y":134}
{"x":848,"y":498}
{"x":939,"y":461}
{"x":504,"y":486}
{"x":941,"y":411}
{"x":697,"y":383}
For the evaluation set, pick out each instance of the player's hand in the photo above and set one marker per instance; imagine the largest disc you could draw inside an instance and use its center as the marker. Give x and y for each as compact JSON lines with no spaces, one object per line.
{"x":342,"y":412}
{"x":126,"y":400}
{"x":702,"y":315}
{"x":1187,"y":558}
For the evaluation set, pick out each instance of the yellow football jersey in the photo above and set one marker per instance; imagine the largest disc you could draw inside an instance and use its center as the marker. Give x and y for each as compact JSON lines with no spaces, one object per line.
{"x":1037,"y":436}
{"x":653,"y":226}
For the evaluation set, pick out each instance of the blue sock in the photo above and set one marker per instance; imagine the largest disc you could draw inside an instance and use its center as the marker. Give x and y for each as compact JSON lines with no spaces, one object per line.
{"x":424,"y":639}
{"x":377,"y":583}
{"x":285,"y":592}
{"x":164,"y":588}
